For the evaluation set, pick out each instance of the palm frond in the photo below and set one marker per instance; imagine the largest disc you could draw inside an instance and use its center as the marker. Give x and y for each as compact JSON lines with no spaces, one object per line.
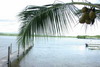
{"x":52,"y":18}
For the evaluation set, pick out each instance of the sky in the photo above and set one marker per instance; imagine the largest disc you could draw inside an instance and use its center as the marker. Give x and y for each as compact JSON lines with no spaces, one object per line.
{"x":9,"y":9}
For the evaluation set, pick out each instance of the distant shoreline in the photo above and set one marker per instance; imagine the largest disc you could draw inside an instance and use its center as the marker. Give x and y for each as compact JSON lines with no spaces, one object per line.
{"x":7,"y":34}
{"x":79,"y":36}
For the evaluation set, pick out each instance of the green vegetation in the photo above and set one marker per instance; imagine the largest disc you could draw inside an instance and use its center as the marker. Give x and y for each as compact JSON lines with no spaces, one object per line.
{"x":10,"y":34}
{"x":7,"y":34}
{"x":82,"y":37}
{"x":79,"y":36}
{"x":88,"y":37}
{"x":54,"y":36}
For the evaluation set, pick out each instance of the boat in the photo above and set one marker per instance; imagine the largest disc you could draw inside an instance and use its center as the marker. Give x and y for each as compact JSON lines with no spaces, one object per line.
{"x":93,"y":46}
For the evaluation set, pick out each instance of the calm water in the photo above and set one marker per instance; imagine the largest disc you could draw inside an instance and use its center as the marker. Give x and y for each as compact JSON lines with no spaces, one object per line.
{"x":6,"y":41}
{"x":55,"y":52}
{"x":61,"y":52}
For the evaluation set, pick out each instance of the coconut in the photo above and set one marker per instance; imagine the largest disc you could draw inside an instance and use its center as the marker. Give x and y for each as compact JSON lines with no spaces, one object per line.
{"x":84,"y":9}
{"x":92,"y":15}
{"x":81,"y":20}
{"x":85,"y":15}
{"x":88,"y":21}
{"x":84,"y":18}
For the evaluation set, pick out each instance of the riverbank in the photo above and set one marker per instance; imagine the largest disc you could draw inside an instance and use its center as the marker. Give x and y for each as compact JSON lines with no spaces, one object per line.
{"x":79,"y":36}
{"x":11,"y":34}
{"x":88,"y":37}
{"x":8,"y":34}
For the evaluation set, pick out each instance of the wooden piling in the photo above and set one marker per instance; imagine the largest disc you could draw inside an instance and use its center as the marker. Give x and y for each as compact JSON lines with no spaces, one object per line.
{"x":9,"y":63}
{"x":11,"y":48}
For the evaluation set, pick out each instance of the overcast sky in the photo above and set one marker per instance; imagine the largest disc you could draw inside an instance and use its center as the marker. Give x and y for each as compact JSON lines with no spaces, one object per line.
{"x":9,"y":9}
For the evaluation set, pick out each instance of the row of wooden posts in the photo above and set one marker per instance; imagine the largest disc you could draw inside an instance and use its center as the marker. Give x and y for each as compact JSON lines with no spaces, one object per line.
{"x":10,"y":52}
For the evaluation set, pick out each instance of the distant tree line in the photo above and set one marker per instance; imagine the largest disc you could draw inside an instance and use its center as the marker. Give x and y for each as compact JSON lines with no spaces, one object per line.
{"x":8,"y":34}
{"x":87,"y":36}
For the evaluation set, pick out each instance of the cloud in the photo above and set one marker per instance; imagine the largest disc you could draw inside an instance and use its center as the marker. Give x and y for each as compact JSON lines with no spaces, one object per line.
{"x":6,"y":20}
{"x":9,"y":27}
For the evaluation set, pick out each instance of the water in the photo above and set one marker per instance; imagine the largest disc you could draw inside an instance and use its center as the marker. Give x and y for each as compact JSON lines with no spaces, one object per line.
{"x":61,"y":52}
{"x":6,"y":41}
{"x":55,"y":52}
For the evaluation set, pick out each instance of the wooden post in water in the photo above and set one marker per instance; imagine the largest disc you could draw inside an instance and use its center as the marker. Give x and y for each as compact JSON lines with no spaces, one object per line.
{"x":11,"y":48}
{"x":9,"y":64}
{"x":18,"y":51}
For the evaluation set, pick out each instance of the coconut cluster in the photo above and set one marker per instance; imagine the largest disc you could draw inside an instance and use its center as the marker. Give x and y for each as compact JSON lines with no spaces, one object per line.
{"x":88,"y":15}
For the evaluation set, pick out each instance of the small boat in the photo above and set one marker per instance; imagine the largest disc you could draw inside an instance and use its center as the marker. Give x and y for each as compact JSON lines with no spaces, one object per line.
{"x":93,"y":46}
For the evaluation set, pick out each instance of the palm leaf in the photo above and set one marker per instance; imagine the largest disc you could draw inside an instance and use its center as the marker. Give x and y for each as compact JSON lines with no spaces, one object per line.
{"x":52,"y":18}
